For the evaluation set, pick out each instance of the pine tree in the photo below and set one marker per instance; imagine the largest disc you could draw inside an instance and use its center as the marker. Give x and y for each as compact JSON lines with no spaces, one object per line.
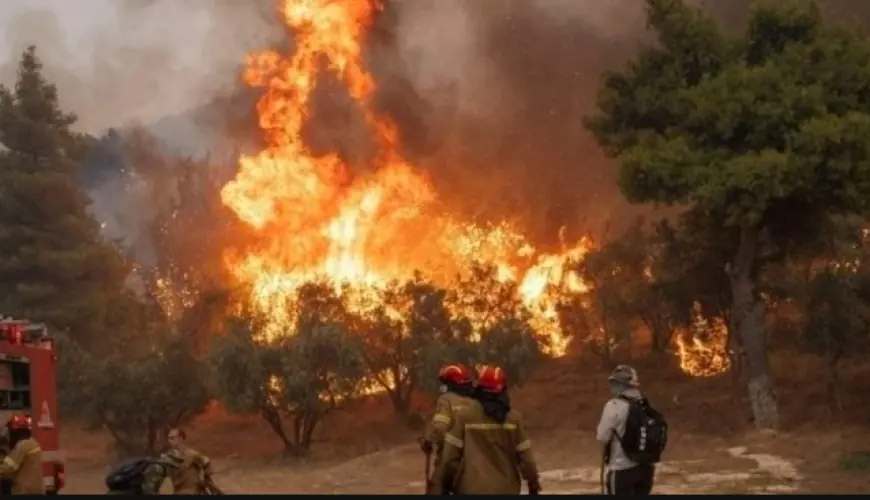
{"x":55,"y":266}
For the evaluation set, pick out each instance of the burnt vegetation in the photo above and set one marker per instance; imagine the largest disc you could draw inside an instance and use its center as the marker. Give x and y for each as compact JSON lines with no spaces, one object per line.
{"x":761,"y":138}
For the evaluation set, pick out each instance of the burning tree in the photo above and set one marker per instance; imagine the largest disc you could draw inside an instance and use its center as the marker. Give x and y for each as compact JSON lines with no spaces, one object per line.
{"x":765,"y":133}
{"x":406,"y":336}
{"x":498,"y":321}
{"x":300,"y":377}
{"x":311,"y":216}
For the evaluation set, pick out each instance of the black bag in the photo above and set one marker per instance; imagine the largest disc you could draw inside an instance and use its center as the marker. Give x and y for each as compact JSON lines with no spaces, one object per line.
{"x":646,"y":432}
{"x":128,"y":475}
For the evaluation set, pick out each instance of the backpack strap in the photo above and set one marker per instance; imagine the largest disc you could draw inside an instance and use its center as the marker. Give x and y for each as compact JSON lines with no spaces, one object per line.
{"x":641,"y":400}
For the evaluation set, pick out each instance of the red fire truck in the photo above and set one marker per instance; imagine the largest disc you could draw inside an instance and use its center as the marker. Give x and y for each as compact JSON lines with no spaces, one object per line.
{"x":28,"y":385}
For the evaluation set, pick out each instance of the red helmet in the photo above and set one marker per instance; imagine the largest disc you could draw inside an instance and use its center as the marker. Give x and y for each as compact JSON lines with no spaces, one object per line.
{"x":456,"y":374}
{"x":492,"y":379}
{"x":19,"y":422}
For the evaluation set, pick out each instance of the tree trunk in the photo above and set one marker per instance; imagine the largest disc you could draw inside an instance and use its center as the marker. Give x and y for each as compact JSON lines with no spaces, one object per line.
{"x":748,"y":317}
{"x":309,"y":424}
{"x":834,"y":383}
{"x":400,"y":406}
{"x":273,"y":418}
{"x":656,"y":332}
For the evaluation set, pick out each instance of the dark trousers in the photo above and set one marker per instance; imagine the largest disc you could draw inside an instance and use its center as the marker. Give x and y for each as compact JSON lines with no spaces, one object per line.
{"x":635,"y":481}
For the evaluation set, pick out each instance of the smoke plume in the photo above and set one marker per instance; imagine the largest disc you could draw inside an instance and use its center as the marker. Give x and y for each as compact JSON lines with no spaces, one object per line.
{"x":149,"y":63}
{"x":489,"y":95}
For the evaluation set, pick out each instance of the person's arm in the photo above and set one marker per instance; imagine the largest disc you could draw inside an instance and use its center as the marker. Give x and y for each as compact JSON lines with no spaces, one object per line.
{"x":451,"y":458}
{"x":202,"y":462}
{"x":153,"y":478}
{"x":609,"y":422}
{"x":12,"y":462}
{"x":439,"y":425}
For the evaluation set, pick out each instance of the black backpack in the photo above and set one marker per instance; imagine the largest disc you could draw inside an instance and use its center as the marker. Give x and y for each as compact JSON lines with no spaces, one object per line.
{"x":128,"y":475}
{"x":646,"y":432}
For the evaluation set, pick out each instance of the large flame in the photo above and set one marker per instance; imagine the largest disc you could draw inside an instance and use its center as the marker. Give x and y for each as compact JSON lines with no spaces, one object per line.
{"x":315,"y":220}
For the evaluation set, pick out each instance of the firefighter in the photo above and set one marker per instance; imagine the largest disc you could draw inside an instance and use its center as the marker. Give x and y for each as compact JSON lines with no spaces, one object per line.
{"x":457,"y":392}
{"x":143,"y":476}
{"x":487,"y":450}
{"x":195,"y":469}
{"x":158,"y":471}
{"x":23,"y":465}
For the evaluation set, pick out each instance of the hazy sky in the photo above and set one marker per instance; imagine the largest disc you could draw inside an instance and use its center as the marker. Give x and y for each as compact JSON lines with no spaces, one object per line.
{"x":121,"y":60}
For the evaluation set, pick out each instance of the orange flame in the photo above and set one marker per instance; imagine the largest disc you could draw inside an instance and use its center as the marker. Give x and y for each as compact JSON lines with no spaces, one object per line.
{"x":707,"y":357}
{"x":314,"y":220}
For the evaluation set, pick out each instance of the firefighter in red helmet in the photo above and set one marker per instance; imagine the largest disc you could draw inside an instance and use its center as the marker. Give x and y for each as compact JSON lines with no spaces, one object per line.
{"x":23,"y":465}
{"x":457,"y":392}
{"x":487,"y":450}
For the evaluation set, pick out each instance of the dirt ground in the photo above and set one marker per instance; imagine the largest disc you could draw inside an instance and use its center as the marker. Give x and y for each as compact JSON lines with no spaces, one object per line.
{"x":712,"y":450}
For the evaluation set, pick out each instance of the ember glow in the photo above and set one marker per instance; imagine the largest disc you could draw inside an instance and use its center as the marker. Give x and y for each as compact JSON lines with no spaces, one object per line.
{"x":313,"y":220}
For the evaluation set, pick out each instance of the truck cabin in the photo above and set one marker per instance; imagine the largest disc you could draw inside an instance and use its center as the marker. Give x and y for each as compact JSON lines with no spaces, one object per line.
{"x":28,"y":386}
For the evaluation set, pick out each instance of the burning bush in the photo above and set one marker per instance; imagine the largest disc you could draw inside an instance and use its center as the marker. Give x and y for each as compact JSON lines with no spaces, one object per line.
{"x":300,"y":378}
{"x":345,"y":343}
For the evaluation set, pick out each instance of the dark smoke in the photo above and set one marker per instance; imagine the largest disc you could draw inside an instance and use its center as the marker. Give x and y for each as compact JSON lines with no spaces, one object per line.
{"x":505,"y":86}
{"x":505,"y":95}
{"x":489,"y":95}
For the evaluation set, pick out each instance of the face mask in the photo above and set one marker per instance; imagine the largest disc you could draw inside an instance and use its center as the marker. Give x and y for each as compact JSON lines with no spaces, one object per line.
{"x":443,"y":388}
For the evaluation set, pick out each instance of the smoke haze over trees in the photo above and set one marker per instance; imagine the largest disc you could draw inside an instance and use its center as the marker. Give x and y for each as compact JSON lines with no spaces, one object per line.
{"x":494,"y":111}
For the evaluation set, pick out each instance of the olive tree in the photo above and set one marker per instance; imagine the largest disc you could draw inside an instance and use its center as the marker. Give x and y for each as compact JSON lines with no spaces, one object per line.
{"x":295,"y":380}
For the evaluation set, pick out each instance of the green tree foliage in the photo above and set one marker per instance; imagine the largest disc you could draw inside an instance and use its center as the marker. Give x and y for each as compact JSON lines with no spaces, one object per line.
{"x":689,"y":267}
{"x":767,"y":132}
{"x":295,"y":381}
{"x":513,"y":345}
{"x":404,"y":338}
{"x":643,"y":281}
{"x":616,"y":274}
{"x":55,"y":266}
{"x":136,"y":389}
{"x":488,"y":311}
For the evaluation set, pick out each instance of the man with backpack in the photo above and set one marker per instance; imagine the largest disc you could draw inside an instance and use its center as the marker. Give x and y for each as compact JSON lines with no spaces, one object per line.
{"x":634,"y":436}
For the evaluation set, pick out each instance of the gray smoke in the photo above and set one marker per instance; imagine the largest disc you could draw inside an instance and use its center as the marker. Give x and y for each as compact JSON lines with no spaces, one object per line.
{"x":489,"y":95}
{"x":140,"y":60}
{"x":146,"y":64}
